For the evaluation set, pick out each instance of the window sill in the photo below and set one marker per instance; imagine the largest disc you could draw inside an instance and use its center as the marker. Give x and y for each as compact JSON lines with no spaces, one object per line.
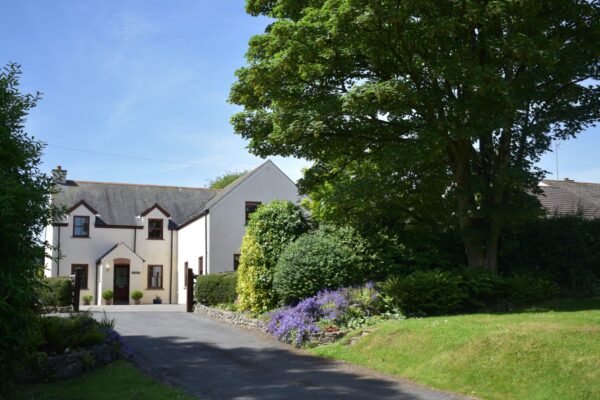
{"x":155,"y":239}
{"x":81,"y":237}
{"x":154,"y":288}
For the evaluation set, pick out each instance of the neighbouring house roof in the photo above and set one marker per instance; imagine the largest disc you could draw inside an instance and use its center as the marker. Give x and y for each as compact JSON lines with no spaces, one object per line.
{"x":570,"y":197}
{"x":120,"y":203}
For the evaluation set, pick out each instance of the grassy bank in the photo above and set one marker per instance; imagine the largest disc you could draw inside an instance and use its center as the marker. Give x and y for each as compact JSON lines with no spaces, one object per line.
{"x":120,"y":380}
{"x":551,"y":352}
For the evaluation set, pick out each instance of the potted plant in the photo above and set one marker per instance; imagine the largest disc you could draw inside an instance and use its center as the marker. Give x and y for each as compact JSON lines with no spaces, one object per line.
{"x":107,"y":295}
{"x":137,"y":296}
{"x":157,"y":300}
{"x":87,"y":299}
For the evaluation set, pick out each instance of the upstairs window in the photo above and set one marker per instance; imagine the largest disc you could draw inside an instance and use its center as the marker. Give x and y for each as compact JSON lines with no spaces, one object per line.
{"x":155,"y":274}
{"x":236,"y":261}
{"x":155,"y":229}
{"x":81,"y":226}
{"x":251,"y":206}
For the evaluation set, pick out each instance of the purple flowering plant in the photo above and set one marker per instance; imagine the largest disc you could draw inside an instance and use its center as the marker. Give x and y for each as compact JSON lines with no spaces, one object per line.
{"x":327,"y":308}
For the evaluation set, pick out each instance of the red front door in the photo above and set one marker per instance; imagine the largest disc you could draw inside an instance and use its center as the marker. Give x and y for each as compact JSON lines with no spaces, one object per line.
{"x":121,"y":285}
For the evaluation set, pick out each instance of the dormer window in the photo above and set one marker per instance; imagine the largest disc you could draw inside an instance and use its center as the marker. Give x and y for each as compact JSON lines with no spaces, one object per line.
{"x":155,"y":229}
{"x":81,"y":226}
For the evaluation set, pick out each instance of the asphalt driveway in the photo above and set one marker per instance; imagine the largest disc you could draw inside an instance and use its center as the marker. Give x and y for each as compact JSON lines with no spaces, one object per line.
{"x":213,"y":360}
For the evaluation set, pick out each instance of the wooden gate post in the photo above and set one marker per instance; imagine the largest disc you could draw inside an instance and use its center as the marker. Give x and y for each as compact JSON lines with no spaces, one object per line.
{"x":190,"y":290}
{"x":76,"y":289}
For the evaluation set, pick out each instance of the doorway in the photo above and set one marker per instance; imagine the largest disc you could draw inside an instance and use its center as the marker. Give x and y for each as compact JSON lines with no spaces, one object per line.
{"x":121,"y":284}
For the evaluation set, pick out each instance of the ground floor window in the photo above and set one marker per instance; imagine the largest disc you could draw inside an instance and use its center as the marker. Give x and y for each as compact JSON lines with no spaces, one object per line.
{"x":84,"y":274}
{"x":185,"y":273}
{"x":155,"y":276}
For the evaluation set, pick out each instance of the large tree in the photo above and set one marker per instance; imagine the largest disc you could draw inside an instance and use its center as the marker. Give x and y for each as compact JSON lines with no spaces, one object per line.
{"x":24,"y":212}
{"x":459,"y":98}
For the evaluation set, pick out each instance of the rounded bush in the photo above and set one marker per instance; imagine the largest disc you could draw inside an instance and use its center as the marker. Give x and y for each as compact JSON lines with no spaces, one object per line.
{"x":107,"y":295}
{"x":314,"y":262}
{"x":56,"y":292}
{"x":87,"y":299}
{"x":137,"y":295}
{"x":216,"y":289}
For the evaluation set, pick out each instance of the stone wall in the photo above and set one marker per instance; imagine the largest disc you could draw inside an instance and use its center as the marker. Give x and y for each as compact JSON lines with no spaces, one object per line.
{"x":231,"y":317}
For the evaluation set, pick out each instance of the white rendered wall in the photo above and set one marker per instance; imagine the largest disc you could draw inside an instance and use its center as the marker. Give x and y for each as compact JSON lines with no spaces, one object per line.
{"x":87,"y":250}
{"x":190,"y":241}
{"x":227,"y":217}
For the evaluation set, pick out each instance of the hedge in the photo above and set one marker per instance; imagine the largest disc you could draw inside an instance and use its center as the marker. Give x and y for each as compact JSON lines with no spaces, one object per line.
{"x":216,"y":288}
{"x":56,"y":292}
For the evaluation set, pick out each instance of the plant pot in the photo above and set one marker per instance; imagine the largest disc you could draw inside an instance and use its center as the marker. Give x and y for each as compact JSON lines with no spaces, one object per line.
{"x":86,"y":303}
{"x":108,"y":302}
{"x":137,"y":301}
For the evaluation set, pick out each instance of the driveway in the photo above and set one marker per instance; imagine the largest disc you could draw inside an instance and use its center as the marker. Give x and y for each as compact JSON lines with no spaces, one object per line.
{"x":213,"y":360}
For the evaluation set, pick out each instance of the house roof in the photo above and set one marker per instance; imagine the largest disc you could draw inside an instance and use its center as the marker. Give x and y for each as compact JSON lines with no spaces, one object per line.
{"x":120,"y":203}
{"x":223,"y":193}
{"x":570,"y":197}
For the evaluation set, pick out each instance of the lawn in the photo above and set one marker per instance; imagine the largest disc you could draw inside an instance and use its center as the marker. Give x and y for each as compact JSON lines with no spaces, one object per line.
{"x":550,"y":352}
{"x":120,"y":380}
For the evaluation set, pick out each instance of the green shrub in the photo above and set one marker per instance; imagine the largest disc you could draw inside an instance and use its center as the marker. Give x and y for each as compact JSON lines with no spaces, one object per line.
{"x":75,"y":332}
{"x":564,"y":249}
{"x":137,"y":295}
{"x":107,"y":295}
{"x":270,"y":229}
{"x":441,"y":292}
{"x":88,"y":298}
{"x":314,"y":262}
{"x":56,"y":292}
{"x":214,"y":289}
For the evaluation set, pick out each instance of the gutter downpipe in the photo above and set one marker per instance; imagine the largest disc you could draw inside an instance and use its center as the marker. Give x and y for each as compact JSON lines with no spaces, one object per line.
{"x":206,"y":241}
{"x":58,"y":254}
{"x":171,"y":270}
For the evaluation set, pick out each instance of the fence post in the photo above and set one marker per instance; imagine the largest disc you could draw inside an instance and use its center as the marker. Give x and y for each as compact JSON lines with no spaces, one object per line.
{"x":190,"y":290}
{"x":76,"y":289}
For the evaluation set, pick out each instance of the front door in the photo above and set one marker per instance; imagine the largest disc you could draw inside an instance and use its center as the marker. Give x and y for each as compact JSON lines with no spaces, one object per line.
{"x":121,"y":288}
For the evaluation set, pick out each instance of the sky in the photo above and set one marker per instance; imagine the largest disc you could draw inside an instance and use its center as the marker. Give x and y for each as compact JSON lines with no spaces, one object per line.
{"x":136,"y":91}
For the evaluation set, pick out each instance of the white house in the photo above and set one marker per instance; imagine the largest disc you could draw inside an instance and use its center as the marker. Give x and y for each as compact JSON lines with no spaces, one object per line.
{"x":128,"y":237}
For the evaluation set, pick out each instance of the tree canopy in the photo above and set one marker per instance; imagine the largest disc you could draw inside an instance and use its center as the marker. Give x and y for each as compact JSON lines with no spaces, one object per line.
{"x":221,"y":182}
{"x":447,"y":104}
{"x":24,"y":213}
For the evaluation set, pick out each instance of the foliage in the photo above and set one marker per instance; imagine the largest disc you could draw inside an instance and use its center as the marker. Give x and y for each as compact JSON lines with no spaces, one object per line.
{"x":215,"y":289}
{"x":108,"y":294}
{"x":565,"y":249}
{"x":137,"y":295}
{"x":270,"y":229}
{"x":340,"y":308}
{"x":120,"y":379}
{"x":225,"y":180}
{"x":448,"y":102}
{"x":549,"y":354}
{"x":24,"y":212}
{"x":72,"y":333}
{"x":314,"y":262}
{"x":56,"y":292}
{"x":443,"y":292}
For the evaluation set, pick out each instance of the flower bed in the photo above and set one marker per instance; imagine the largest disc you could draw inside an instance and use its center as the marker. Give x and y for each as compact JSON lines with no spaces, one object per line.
{"x":328,"y":314}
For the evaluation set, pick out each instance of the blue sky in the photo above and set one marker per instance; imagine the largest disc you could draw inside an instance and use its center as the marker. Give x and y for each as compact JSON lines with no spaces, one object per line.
{"x":150,"y":79}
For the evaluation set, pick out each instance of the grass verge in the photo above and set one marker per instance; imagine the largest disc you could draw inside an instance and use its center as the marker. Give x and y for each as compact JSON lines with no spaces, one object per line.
{"x":119,"y":380}
{"x":550,"y":352}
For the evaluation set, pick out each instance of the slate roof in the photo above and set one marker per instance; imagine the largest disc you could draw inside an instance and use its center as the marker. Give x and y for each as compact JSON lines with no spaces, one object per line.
{"x":120,"y":203}
{"x":570,"y":197}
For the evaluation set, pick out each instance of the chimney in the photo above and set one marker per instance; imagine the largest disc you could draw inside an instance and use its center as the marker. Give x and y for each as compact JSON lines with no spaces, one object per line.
{"x":569,"y":180}
{"x":59,"y":175}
